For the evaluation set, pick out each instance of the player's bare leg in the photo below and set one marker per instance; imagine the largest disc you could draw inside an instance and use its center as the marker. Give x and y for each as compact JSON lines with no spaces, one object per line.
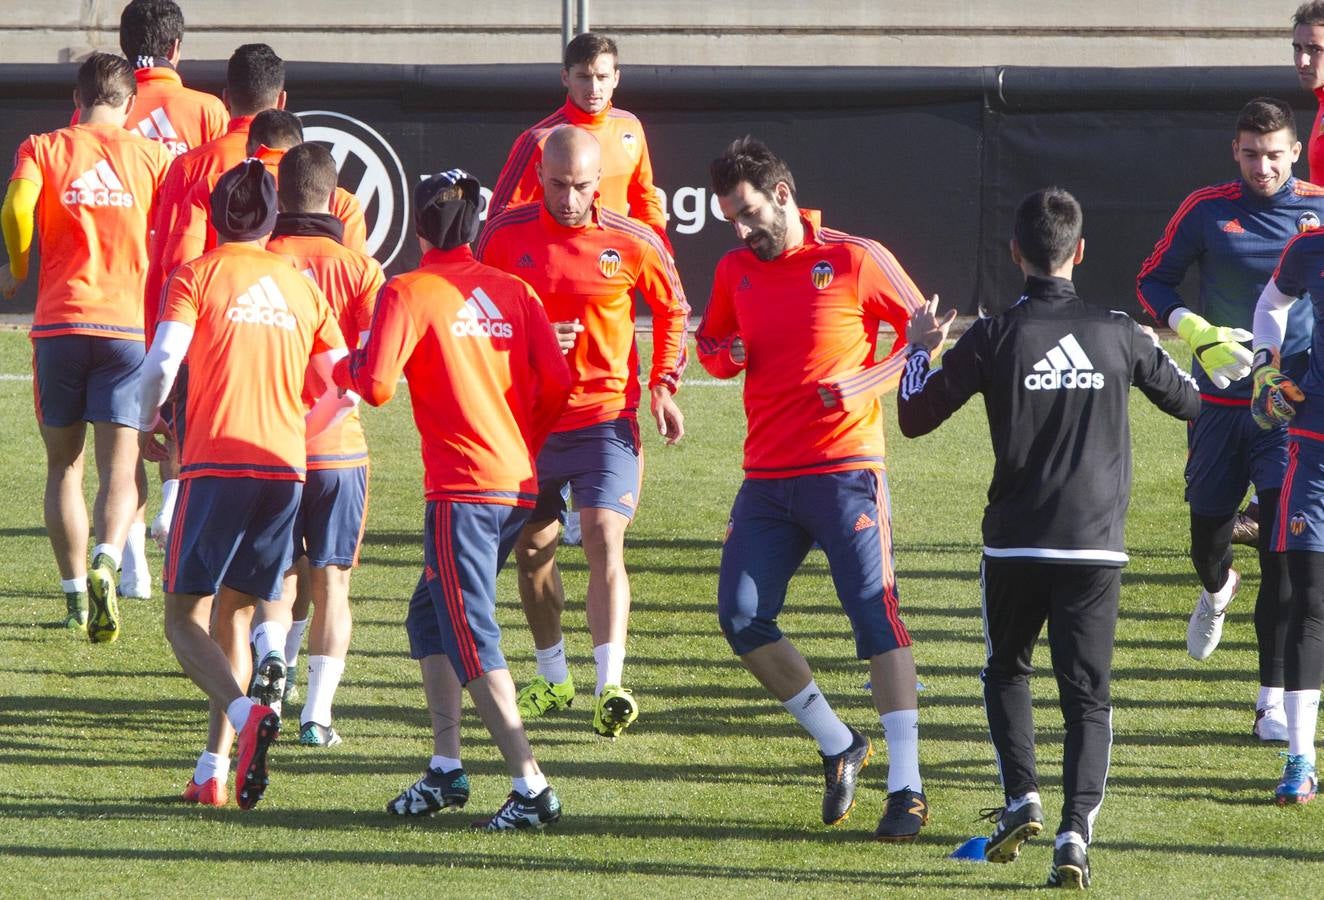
{"x":532,"y":801}
{"x":188,"y":624}
{"x":271,"y":625}
{"x":443,"y":692}
{"x":117,"y":483}
{"x":540,"y":590}
{"x":608,"y":612}
{"x":64,"y":508}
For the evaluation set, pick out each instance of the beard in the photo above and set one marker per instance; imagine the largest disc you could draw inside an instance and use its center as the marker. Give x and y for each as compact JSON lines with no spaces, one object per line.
{"x":769,"y":243}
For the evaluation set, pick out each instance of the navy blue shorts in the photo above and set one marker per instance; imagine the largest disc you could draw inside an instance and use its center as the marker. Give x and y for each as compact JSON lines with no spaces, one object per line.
{"x":234,"y":532}
{"x":328,"y":528}
{"x":453,"y":610}
{"x":775,"y":521}
{"x":1300,"y":524}
{"x":602,"y":463}
{"x":84,"y":378}
{"x":1227,"y":453}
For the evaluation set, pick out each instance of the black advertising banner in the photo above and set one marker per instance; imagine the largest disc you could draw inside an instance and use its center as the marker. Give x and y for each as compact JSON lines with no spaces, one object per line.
{"x":930,"y":162}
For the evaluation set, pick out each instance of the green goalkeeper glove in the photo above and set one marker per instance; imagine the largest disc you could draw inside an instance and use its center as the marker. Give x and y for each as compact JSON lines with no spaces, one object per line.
{"x":1217,"y":348}
{"x":1271,"y":403}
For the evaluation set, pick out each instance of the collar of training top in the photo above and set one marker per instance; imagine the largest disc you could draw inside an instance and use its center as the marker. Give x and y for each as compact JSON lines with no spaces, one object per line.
{"x":301,"y":224}
{"x":1046,"y":287}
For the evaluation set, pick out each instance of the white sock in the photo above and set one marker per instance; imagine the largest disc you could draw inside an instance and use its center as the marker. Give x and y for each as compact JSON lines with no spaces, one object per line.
{"x":74,"y":585}
{"x":169,"y":491}
{"x":323,"y":678}
{"x":551,"y":662}
{"x":1068,"y":837}
{"x":1224,"y":594}
{"x":901,"y":731}
{"x":1031,"y":797}
{"x":294,"y":640}
{"x":212,"y":765}
{"x":1302,"y":709}
{"x":110,"y":550}
{"x":237,"y":712}
{"x":532,"y":786}
{"x":135,"y":554}
{"x":444,"y":764}
{"x":269,"y":637}
{"x":610,"y":660}
{"x":812,"y":710}
{"x":1269,"y":697}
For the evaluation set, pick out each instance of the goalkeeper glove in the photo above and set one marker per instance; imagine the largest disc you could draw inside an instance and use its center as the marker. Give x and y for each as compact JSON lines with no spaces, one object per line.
{"x":1217,"y":348}
{"x":1274,"y":393}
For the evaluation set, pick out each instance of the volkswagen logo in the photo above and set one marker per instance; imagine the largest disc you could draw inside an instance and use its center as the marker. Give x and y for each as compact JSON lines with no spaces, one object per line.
{"x":370,"y":169}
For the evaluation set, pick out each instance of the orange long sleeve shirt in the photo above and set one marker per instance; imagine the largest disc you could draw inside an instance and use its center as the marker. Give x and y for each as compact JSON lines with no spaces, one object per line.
{"x":180,"y":118}
{"x":627,"y":170}
{"x":590,"y":273}
{"x":486,"y":376}
{"x":809,"y":319}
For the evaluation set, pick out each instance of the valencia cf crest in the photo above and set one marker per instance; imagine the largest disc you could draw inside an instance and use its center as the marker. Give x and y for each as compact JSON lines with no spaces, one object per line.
{"x":1307,"y":221}
{"x":1297,"y":524}
{"x":631,"y":143}
{"x":609,"y":262}
{"x":822,"y":274}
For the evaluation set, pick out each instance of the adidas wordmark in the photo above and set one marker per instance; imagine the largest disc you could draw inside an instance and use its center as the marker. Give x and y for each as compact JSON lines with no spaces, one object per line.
{"x":479,"y":317}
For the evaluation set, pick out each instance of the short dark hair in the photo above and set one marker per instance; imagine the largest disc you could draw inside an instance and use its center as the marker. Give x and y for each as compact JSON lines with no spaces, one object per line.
{"x":307,"y":178}
{"x":254,"y":78}
{"x":1047,"y":230}
{"x":1311,"y":13}
{"x":105,"y":79}
{"x":587,"y":47}
{"x":150,"y":28}
{"x":749,"y":159}
{"x":275,"y":128}
{"x":1265,"y":115}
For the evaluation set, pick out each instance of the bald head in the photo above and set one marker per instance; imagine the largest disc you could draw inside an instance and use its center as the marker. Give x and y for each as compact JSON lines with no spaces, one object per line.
{"x":569,"y":172}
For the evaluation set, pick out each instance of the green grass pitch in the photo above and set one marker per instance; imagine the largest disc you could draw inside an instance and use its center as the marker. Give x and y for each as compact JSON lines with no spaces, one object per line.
{"x":714,"y":790}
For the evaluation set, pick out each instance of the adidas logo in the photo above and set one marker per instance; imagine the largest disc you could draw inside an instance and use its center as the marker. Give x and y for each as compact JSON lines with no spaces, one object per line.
{"x":864,"y":523}
{"x":479,"y":317}
{"x":1064,"y":366}
{"x":262,"y":304}
{"x":1232,"y":226}
{"x":98,"y":186}
{"x":744,"y":283}
{"x":524,"y":262}
{"x":627,"y":499}
{"x":158,"y":127}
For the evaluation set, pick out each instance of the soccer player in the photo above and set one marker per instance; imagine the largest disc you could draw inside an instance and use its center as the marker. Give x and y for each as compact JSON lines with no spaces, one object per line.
{"x":255,"y":81}
{"x":1234,"y":232}
{"x":1056,"y":375}
{"x":251,"y":324}
{"x":89,"y":191}
{"x":487,"y":382}
{"x":585,"y":262}
{"x":329,"y":526}
{"x":1278,"y":400}
{"x":1308,"y":59}
{"x":151,"y":32}
{"x":797,"y":310}
{"x":591,"y":74}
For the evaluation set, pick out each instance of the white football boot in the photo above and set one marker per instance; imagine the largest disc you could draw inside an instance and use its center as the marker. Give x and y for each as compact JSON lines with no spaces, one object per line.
{"x":1206,"y":627}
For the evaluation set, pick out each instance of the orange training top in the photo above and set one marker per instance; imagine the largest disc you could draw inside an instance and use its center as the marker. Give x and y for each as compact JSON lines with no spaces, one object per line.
{"x":166,"y":111}
{"x":486,"y":375}
{"x":590,"y":273}
{"x":809,"y":319}
{"x":256,"y":323}
{"x":194,"y":234}
{"x":350,"y":280}
{"x":98,"y":187}
{"x":627,"y":171}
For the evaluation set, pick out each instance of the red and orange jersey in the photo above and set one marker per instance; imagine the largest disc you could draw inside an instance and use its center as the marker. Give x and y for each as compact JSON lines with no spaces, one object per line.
{"x":256,"y":323}
{"x":212,"y":158}
{"x":590,"y":273}
{"x":194,"y":235}
{"x":809,"y":320}
{"x":166,"y":111}
{"x":486,"y":375}
{"x":627,"y":171}
{"x":98,"y":185}
{"x":1315,"y":145}
{"x":350,"y":280}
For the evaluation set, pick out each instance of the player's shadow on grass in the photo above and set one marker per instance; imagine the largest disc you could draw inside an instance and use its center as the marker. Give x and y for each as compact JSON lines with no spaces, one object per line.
{"x":34,"y":532}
